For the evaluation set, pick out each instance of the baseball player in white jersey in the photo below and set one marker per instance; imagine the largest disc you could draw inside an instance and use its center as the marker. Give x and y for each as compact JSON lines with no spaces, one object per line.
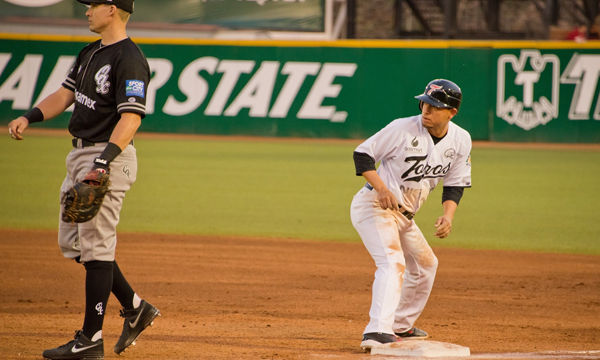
{"x":416,"y":153}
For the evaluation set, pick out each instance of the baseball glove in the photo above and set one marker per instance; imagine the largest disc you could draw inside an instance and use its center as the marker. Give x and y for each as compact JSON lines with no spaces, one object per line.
{"x":83,"y":200}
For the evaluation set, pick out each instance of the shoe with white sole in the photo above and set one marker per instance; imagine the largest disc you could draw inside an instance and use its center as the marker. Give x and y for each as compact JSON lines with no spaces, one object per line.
{"x":80,"y":348}
{"x":136,"y":320}
{"x":413,"y":334}
{"x":373,"y":339}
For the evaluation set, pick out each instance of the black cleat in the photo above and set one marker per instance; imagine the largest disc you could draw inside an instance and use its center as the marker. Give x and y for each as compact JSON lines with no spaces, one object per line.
{"x":373,"y":339}
{"x":413,"y":334}
{"x":81,"y":348}
{"x":136,"y":320}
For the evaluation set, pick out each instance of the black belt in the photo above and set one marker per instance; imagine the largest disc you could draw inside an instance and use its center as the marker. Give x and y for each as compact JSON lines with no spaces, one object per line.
{"x":85,"y":143}
{"x":407,"y":214}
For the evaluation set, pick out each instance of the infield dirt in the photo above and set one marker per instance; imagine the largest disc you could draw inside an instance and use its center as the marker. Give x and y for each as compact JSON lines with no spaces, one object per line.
{"x":250,"y":298}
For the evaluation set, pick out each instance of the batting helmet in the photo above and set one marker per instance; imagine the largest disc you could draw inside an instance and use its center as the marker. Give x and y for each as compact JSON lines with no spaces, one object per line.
{"x":441,"y":93}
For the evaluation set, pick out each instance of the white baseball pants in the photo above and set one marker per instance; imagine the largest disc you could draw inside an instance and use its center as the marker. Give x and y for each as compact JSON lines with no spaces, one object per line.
{"x":406,"y":265}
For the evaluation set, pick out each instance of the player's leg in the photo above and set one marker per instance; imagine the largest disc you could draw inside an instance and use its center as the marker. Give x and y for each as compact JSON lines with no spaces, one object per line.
{"x":379,"y":231}
{"x":98,"y":277}
{"x":88,"y":343}
{"x":68,"y":233}
{"x":97,"y":253}
{"x":137,"y":313}
{"x":122,"y":290}
{"x":98,"y":282}
{"x":421,"y":266}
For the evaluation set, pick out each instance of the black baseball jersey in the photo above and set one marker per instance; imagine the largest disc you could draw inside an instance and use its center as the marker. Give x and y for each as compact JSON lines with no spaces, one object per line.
{"x":107,"y":80}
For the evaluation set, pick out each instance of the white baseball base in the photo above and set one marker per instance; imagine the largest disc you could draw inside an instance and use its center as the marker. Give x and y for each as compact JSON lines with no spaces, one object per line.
{"x":425,"y":348}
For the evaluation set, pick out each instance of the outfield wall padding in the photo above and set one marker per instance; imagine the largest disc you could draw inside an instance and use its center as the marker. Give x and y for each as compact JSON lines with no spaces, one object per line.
{"x":513,"y":91}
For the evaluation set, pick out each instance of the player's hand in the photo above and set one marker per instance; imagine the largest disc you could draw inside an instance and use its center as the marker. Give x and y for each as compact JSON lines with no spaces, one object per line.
{"x":17,"y":126}
{"x":387,"y":200}
{"x":443,"y":226}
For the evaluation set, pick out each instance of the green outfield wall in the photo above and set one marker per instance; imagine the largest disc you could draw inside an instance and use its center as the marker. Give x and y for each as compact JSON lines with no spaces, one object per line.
{"x":513,"y":91}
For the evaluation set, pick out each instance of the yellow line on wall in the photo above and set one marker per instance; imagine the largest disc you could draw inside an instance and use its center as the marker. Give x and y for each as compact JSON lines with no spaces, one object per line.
{"x":425,"y":44}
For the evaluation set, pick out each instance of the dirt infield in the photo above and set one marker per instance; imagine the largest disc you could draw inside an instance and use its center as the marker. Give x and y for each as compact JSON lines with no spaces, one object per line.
{"x":236,"y":298}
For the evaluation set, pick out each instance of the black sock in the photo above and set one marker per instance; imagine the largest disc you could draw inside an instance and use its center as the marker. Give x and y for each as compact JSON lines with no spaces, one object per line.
{"x":121,"y":288}
{"x":98,"y":282}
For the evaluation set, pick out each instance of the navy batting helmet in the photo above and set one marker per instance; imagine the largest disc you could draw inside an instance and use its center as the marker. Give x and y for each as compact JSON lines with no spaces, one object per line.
{"x":441,"y":93}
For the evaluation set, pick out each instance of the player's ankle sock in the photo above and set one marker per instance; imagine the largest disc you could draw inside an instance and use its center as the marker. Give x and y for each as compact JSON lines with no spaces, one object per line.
{"x":121,"y":288}
{"x":98,"y":282}
{"x":97,"y":336}
{"x":136,"y":301}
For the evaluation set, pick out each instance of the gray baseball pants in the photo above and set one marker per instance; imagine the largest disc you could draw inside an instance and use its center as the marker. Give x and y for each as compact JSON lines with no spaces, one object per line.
{"x":96,"y":240}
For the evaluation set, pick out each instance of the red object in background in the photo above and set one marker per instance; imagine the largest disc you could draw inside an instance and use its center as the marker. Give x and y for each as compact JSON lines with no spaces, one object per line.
{"x":578,"y":34}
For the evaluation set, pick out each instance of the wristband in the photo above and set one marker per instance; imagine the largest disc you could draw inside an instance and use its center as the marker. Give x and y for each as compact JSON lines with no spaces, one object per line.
{"x":111,"y":151}
{"x":34,"y":115}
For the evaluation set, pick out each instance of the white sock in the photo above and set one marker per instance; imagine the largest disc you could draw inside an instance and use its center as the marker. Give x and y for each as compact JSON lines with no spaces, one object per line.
{"x":136,"y":301}
{"x":97,"y":336}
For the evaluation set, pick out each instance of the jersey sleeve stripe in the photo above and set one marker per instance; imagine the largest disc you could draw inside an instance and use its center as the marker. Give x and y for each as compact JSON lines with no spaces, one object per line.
{"x":131,"y":107}
{"x":69,"y":83}
{"x":128,"y":104}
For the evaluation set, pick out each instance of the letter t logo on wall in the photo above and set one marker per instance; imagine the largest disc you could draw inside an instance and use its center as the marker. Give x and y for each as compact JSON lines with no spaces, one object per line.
{"x":530,"y":110}
{"x":527,"y":79}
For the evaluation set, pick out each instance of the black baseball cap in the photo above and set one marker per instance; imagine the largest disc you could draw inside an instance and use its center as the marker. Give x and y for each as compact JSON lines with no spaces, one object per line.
{"x":126,"y":5}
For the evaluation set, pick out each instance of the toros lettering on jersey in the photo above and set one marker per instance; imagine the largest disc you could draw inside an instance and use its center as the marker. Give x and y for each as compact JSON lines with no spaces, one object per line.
{"x":419,"y":171}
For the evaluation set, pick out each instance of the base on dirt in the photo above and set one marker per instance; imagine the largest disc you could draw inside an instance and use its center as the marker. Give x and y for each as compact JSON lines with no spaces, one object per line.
{"x":423,"y":348}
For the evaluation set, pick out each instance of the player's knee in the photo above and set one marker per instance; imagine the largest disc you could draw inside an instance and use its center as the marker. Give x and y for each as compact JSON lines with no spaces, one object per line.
{"x":435,"y":262}
{"x":391,"y":263}
{"x":99,"y":265}
{"x":429,"y":261}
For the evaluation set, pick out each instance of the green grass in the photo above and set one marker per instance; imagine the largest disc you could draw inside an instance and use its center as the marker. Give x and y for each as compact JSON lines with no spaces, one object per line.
{"x":534,"y":200}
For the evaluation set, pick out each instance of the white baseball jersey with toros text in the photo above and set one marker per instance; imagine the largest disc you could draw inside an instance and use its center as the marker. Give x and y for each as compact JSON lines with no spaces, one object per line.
{"x":411,"y":165}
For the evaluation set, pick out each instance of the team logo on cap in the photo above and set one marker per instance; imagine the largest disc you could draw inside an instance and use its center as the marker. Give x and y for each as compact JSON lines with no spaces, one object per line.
{"x":433,"y":88}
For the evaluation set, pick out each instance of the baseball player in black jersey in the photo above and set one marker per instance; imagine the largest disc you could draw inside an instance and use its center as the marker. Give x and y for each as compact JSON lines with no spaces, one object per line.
{"x":108,"y":85}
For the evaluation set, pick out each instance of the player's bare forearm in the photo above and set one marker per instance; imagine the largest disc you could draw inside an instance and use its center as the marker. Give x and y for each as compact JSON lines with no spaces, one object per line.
{"x":373,"y":178}
{"x":386,"y":198}
{"x":125,"y":129}
{"x":56,"y":103}
{"x":443,"y":224}
{"x":450,"y":208}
